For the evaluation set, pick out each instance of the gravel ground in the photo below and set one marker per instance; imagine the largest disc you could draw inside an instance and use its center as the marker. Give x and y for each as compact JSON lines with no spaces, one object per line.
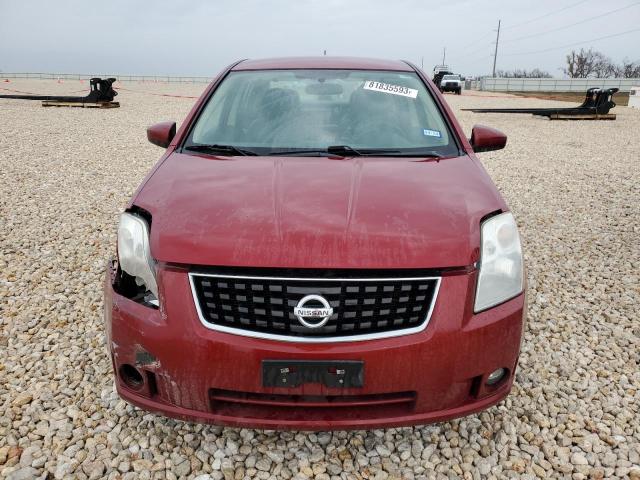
{"x":574,"y":412}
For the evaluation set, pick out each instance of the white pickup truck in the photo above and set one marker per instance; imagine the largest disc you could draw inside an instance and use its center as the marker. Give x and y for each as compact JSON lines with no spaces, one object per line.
{"x":451,"y":83}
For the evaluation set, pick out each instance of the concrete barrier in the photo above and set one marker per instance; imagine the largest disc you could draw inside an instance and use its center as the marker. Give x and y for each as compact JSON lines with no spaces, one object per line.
{"x":634,"y":97}
{"x":555,"y":84}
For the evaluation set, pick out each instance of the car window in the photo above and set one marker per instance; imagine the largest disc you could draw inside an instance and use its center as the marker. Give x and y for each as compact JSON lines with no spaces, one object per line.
{"x":275,"y":110}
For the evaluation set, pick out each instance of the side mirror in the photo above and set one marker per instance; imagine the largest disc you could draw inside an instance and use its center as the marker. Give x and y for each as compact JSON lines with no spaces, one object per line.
{"x":485,"y":139}
{"x":162,"y":133}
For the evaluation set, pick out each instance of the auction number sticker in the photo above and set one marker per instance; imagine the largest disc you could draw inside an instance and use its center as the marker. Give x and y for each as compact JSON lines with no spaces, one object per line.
{"x":392,"y":89}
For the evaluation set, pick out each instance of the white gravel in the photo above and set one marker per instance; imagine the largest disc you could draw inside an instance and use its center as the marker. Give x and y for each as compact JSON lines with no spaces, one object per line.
{"x":574,"y":412}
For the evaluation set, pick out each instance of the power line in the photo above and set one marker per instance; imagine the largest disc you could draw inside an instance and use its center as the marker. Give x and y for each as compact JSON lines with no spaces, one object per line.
{"x":573,"y":44}
{"x":475,"y":42}
{"x":476,"y":50}
{"x":546,"y":15}
{"x":473,"y":52}
{"x":572,"y":24}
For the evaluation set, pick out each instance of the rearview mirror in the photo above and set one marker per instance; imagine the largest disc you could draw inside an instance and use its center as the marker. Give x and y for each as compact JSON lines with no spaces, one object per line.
{"x":162,"y":133}
{"x":324,"y":89}
{"x":485,"y":139}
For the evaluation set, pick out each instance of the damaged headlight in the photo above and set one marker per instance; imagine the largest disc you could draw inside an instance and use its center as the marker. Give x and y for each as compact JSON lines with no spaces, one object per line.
{"x":134,"y":252}
{"x":501,"y":265}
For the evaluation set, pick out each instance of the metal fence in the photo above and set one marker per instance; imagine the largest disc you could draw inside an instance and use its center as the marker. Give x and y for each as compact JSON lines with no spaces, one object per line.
{"x":122,"y":78}
{"x":555,"y":84}
{"x":488,"y":83}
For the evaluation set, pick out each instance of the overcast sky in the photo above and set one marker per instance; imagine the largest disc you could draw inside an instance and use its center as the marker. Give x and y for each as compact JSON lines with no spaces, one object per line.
{"x":199,"y":37}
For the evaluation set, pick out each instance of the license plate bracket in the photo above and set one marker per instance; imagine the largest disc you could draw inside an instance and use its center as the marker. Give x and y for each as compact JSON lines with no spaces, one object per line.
{"x":332,"y":374}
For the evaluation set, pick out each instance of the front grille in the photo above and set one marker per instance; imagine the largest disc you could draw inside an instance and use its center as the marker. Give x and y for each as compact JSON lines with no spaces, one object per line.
{"x":310,"y":401}
{"x":311,"y":407}
{"x":363,"y":308}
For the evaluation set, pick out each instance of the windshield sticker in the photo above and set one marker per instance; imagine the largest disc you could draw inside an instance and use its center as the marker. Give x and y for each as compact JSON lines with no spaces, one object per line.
{"x":392,"y":89}
{"x":431,"y":133}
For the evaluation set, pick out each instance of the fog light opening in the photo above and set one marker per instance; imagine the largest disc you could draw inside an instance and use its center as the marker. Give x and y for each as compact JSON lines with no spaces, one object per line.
{"x":131,"y":376}
{"x":496,"y":377}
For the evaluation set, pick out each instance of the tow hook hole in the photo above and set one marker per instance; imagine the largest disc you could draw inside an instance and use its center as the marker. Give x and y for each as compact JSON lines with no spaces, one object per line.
{"x":131,"y":376}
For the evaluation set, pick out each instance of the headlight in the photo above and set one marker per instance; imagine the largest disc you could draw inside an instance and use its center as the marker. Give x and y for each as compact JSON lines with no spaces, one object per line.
{"x":134,"y":253}
{"x":501,"y":265}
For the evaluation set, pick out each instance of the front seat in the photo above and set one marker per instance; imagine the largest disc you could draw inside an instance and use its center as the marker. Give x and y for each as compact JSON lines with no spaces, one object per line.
{"x":278,"y":109}
{"x":373,"y":120}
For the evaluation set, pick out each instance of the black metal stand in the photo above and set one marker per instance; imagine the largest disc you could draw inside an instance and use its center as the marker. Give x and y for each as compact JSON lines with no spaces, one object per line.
{"x":597,"y":102}
{"x":101,"y":95}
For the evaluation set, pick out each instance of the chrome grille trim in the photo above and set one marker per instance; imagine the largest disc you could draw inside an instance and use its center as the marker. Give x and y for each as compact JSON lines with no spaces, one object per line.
{"x":298,"y":339}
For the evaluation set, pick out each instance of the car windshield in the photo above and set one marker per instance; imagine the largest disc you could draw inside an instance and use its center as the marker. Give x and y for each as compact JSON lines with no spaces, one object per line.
{"x":307,"y":111}
{"x":451,"y":77}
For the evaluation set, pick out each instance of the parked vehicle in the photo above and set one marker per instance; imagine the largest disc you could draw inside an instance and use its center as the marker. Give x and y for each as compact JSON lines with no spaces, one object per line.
{"x":318,"y":248}
{"x":451,"y":83}
{"x":440,"y":71}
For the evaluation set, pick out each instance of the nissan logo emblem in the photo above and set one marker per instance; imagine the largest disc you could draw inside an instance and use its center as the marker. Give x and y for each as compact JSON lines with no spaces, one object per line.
{"x":313,"y":316}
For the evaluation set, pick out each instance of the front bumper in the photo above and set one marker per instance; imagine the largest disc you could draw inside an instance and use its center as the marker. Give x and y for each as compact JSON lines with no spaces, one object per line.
{"x":450,"y":87}
{"x":192,"y":373}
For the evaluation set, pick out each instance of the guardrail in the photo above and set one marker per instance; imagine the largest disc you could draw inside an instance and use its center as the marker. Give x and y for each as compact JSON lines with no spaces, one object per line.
{"x":555,"y":84}
{"x":122,"y":78}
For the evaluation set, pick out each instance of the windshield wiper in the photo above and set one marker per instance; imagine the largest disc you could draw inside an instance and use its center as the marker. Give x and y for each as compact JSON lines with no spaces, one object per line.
{"x":347,"y":151}
{"x":344,"y":150}
{"x":427,"y":154}
{"x":339,"y":150}
{"x":309,"y":151}
{"x":223,"y":149}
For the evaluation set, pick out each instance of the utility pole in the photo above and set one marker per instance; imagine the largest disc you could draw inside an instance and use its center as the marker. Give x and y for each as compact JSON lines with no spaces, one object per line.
{"x":444,"y":54}
{"x":495,"y":53}
{"x":422,"y":63}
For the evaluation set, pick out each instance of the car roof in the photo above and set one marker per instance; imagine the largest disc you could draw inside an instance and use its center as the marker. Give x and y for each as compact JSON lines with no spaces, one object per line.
{"x":355,"y":63}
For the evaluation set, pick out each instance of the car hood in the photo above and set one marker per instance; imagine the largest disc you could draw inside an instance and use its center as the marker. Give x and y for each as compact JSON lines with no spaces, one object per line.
{"x":318,"y":212}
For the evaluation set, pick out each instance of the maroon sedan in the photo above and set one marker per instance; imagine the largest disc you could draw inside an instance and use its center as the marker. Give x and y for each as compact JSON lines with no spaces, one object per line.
{"x":318,"y":248}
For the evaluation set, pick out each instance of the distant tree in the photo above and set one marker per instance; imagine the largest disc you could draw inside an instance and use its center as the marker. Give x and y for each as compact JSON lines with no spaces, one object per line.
{"x":579,"y":64}
{"x":627,"y":69}
{"x":588,"y":63}
{"x":518,"y":73}
{"x":537,"y":73}
{"x":603,"y":66}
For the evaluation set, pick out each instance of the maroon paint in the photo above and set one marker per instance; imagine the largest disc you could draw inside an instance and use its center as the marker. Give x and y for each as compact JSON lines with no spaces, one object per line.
{"x":182,"y":130}
{"x":316,"y":213}
{"x":329,"y":63}
{"x":484,"y":139}
{"x":439,"y":364}
{"x":162,"y":133}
